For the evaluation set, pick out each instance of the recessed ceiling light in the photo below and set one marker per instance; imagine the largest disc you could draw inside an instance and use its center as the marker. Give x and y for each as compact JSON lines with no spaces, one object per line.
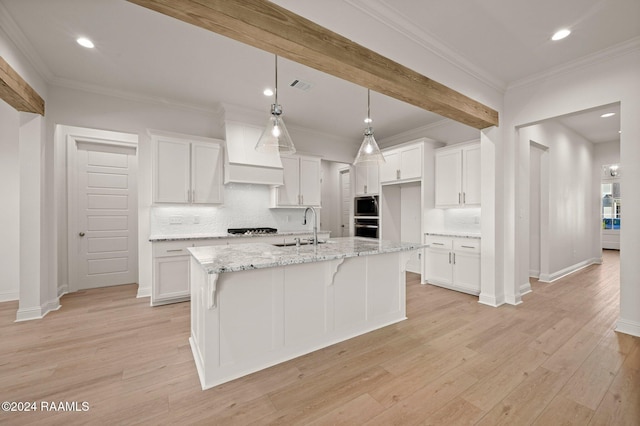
{"x":268,"y":92}
{"x":85,"y":42}
{"x":620,"y":131}
{"x":608,"y":114}
{"x":559,"y":35}
{"x":368,"y":120}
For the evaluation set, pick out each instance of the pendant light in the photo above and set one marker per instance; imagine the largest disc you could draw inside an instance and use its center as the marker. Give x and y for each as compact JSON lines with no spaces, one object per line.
{"x":369,"y":154}
{"x":275,"y":136}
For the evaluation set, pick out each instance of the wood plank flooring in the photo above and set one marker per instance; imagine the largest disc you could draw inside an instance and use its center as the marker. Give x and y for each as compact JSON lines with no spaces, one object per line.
{"x":553,"y":360}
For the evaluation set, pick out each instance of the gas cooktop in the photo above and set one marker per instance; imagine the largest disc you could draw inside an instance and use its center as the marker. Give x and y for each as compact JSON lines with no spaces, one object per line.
{"x":251,"y":231}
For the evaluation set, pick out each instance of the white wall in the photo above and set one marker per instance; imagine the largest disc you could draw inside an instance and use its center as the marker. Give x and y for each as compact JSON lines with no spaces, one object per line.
{"x":614,"y":78}
{"x":607,"y":153}
{"x":535,"y":197}
{"x":10,"y":196}
{"x":574,"y":221}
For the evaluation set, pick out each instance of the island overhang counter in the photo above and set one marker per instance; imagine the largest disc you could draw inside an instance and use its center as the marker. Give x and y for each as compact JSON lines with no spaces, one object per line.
{"x":256,"y":305}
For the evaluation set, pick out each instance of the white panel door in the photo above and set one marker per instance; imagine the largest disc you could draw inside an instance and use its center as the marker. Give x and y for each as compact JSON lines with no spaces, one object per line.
{"x":390,"y":169}
{"x":106,"y":228}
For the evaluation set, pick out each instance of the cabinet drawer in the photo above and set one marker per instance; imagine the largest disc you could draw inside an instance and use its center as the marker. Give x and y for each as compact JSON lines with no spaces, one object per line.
{"x":467,"y":245}
{"x":171,"y":248}
{"x":435,"y":242}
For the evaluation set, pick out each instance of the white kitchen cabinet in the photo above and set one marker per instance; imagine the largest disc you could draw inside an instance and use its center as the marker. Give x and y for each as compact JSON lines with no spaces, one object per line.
{"x":187,"y":171}
{"x":402,"y":164}
{"x":301,"y":182}
{"x":367,"y":181}
{"x":170,"y":272}
{"x":458,"y":176}
{"x":453,"y":263}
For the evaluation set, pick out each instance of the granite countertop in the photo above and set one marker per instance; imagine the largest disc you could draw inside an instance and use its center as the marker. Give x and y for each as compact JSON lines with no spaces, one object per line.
{"x":205,"y":236}
{"x":475,"y":235}
{"x":241,"y":257}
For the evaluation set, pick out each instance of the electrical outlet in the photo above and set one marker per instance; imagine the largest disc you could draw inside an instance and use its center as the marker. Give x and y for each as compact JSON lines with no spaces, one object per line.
{"x":175,"y":220}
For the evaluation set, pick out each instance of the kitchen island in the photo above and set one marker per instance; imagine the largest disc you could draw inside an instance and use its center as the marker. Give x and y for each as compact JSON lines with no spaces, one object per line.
{"x":256,"y":305}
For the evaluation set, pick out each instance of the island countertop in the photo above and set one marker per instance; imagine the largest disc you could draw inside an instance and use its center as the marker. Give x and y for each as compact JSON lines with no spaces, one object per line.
{"x":242,"y":257}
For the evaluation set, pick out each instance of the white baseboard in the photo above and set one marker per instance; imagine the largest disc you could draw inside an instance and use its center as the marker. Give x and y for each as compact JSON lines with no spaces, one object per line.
{"x":143,"y":292}
{"x":62,"y":290}
{"x":489,"y":300}
{"x":548,"y":278}
{"x":37,"y":312}
{"x":9,"y":296}
{"x":525,"y":288}
{"x":534,"y":274}
{"x":628,"y":327}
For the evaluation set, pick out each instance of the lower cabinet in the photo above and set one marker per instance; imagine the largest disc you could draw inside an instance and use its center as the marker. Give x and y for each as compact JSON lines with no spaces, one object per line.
{"x":453,"y":263}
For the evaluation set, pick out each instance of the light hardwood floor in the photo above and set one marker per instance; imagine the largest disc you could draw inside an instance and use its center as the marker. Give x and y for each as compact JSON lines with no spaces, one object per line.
{"x":552,"y":360}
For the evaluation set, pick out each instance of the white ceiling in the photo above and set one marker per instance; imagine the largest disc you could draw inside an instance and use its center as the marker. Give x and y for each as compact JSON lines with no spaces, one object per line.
{"x":145,"y":54}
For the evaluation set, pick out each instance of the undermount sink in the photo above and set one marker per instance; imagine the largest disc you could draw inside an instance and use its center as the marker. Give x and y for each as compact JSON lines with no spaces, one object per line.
{"x":302,"y":243}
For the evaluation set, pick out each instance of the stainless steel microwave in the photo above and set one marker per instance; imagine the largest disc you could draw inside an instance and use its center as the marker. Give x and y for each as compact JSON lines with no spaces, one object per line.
{"x":366,"y":206}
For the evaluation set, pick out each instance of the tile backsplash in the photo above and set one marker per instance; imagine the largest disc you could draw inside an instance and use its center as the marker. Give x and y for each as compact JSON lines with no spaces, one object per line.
{"x":462,"y":220}
{"x":245,"y":205}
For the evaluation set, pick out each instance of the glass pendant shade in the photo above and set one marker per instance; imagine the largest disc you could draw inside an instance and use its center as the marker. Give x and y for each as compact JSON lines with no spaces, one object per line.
{"x":369,"y":153}
{"x":275,"y":137}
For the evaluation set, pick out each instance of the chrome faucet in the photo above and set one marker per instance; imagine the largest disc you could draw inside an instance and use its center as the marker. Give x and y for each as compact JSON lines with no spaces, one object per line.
{"x":315,"y":223}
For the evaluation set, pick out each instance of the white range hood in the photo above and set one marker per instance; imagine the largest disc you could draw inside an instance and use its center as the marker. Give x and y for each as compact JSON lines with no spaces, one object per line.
{"x":243,"y":164}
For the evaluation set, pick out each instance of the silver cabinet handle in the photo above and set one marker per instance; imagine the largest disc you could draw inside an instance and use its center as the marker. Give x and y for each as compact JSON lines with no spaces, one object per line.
{"x":437,"y":244}
{"x":464,"y":198}
{"x":454,"y":258}
{"x":467,"y":246}
{"x":193,"y":195}
{"x":174,"y":250}
{"x":365,"y":189}
{"x":398,"y":174}
{"x":81,"y":234}
{"x":459,"y":198}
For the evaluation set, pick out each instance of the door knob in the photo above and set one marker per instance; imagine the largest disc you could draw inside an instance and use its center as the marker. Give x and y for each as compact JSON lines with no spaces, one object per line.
{"x":81,"y":234}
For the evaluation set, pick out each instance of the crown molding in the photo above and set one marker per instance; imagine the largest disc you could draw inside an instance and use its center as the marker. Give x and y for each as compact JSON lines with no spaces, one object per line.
{"x":15,"y":34}
{"x":614,"y":51}
{"x":398,"y":22}
{"x":415,"y":133}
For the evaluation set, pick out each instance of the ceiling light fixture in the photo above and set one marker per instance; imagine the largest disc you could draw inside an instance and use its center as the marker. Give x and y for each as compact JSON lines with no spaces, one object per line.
{"x":559,"y":35}
{"x":85,"y":42}
{"x":608,"y":114}
{"x":268,"y":92}
{"x":369,"y":153}
{"x":275,"y":136}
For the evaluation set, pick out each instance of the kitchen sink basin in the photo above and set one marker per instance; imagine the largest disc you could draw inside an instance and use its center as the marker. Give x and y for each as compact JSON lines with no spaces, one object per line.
{"x":302,"y":243}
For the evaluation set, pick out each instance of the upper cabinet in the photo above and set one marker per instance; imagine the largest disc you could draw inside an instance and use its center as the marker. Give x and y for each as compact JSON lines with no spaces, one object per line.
{"x":367,"y":180}
{"x":402,"y":164}
{"x":301,"y":182}
{"x":458,"y":176}
{"x":187,"y":170}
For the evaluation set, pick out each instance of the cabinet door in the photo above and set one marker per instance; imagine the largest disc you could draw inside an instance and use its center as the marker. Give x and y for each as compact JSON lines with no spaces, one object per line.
{"x":389,"y":170}
{"x":373,"y":180}
{"x":310,"y":181}
{"x":411,"y":163}
{"x":206,"y":173}
{"x":437,"y":266}
{"x":466,"y":271}
{"x":471,"y":175}
{"x":361,"y":180}
{"x":448,"y":178}
{"x":170,"y":279}
{"x":288,"y":193}
{"x":171,"y":174}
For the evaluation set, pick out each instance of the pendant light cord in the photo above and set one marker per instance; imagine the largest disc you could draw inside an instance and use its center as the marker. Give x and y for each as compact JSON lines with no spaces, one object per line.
{"x":276,"y":86}
{"x":369,"y":107}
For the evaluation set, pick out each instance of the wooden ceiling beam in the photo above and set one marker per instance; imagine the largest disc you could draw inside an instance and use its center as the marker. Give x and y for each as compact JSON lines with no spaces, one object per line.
{"x":267,"y":26}
{"x":15,"y":91}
